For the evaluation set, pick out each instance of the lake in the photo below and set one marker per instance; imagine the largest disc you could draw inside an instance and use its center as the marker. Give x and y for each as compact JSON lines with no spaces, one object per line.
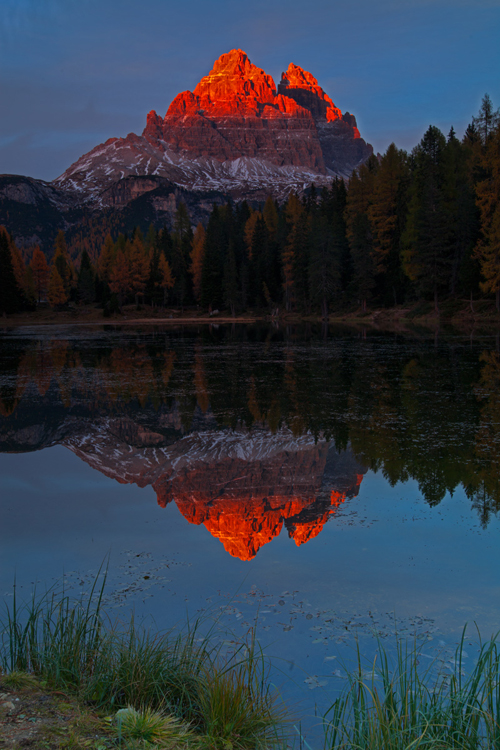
{"x":327,"y":486}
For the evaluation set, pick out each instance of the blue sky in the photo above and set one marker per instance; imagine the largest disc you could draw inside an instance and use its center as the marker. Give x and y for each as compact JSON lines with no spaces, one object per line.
{"x":76,"y":72}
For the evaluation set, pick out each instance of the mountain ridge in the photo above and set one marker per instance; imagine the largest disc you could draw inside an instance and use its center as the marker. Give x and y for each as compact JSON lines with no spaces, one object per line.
{"x":236,"y":135}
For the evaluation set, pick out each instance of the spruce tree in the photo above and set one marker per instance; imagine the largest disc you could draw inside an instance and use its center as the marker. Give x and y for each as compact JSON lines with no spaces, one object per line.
{"x":427,"y":251}
{"x":11,"y":297}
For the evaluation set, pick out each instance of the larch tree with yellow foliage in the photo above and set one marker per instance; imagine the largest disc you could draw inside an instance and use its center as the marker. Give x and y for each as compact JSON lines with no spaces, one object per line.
{"x":56,"y":293}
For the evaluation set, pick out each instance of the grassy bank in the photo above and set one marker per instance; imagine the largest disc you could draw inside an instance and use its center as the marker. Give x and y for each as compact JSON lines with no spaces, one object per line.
{"x":157,"y":690}
{"x":81,"y":681}
{"x":412,"y":703}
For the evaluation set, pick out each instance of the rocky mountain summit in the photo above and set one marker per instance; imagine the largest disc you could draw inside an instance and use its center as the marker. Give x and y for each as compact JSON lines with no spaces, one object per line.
{"x":236,"y":133}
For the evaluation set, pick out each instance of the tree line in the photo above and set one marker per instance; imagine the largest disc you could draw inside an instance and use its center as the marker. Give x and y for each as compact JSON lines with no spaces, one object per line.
{"x":406,"y":227}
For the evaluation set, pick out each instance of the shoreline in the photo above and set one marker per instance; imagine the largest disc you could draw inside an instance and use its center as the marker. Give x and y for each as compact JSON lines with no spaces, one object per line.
{"x":401,"y":319}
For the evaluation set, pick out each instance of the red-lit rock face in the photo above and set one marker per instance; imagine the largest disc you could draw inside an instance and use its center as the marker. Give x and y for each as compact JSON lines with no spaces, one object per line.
{"x":245,"y":504}
{"x":234,"y":133}
{"x":235,"y":111}
{"x":301,"y":86}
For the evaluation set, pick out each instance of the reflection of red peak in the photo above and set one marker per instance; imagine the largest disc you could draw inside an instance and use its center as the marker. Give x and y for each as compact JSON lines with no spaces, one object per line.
{"x":303,"y":532}
{"x":243,"y":486}
{"x":304,"y":89}
{"x":244,"y":503}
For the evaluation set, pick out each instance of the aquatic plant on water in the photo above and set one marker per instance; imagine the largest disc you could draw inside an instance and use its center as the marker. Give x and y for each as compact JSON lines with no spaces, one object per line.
{"x":398,"y":705}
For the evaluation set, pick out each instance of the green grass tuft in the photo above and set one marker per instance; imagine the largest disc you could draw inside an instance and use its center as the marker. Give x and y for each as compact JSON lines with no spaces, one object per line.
{"x":402,"y":707}
{"x":178,"y":678}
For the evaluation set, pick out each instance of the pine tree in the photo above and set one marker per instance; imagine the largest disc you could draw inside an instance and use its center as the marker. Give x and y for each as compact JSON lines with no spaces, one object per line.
{"x":106,"y":258}
{"x":11,"y":296}
{"x":293,"y":211}
{"x":212,"y":273}
{"x":196,"y":255}
{"x":62,"y":261}
{"x":182,"y":237}
{"x":167,"y":280}
{"x":86,"y":280}
{"x":120,"y":281}
{"x":138,"y":261}
{"x":231,"y":289}
{"x":427,"y":252}
{"x":386,"y":217}
{"x":359,"y":231}
{"x":487,"y":120}
{"x":488,"y":199}
{"x":461,"y":216}
{"x":324,"y":265}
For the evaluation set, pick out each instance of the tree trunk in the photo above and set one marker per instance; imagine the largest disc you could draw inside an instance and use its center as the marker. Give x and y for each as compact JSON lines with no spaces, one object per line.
{"x":324,"y":308}
{"x":436,"y":305}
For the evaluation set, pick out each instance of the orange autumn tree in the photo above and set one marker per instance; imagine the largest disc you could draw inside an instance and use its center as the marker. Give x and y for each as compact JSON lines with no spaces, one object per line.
{"x":106,"y":258}
{"x":120,"y":281}
{"x":56,"y":293}
{"x":41,"y":272}
{"x":62,"y":262}
{"x":139,"y":264}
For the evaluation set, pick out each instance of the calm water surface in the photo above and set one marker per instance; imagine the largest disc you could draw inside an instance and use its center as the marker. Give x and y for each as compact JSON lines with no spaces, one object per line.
{"x":326,"y":487}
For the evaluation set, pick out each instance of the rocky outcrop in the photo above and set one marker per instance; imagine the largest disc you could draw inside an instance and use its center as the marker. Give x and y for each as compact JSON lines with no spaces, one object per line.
{"x":235,"y":112}
{"x":303,"y":88}
{"x":234,"y":133}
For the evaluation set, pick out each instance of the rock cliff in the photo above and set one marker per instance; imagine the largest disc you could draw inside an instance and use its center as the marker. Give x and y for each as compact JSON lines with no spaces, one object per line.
{"x":236,"y":133}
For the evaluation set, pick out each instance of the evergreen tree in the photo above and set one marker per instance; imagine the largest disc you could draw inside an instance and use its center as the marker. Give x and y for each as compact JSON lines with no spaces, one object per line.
{"x":231,"y":287}
{"x":182,"y":237}
{"x":294,"y":235}
{"x":138,"y":261}
{"x":86,"y":280}
{"x":359,"y":231}
{"x":11,"y":296}
{"x":41,"y":272}
{"x":167,"y":280}
{"x":386,"y":217}
{"x":487,"y":120}
{"x":196,"y":255}
{"x":62,"y":262}
{"x":324,"y":265}
{"x":427,"y":252}
{"x":212,"y":274}
{"x":488,"y":199}
{"x":460,"y":216}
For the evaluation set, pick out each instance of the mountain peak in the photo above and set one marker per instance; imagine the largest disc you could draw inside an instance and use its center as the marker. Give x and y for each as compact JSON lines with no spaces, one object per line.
{"x":303,"y":87}
{"x":234,"y":132}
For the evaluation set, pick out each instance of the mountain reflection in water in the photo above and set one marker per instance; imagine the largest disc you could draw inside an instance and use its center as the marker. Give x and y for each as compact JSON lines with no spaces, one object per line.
{"x":242,"y":485}
{"x":249,"y":431}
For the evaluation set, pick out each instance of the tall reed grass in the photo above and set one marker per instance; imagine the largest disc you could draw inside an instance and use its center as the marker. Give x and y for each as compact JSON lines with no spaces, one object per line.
{"x":398,"y":705}
{"x":73,"y":645}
